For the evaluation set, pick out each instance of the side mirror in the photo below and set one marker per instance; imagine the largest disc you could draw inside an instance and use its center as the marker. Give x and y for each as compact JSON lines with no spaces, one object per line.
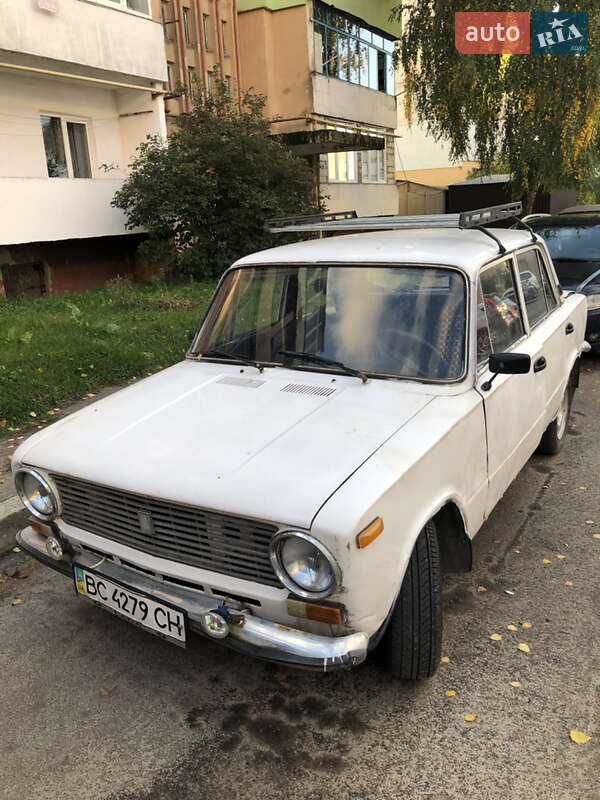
{"x":507,"y":364}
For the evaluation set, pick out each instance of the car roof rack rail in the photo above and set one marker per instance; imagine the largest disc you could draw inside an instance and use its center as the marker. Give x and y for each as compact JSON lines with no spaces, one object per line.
{"x":346,"y":221}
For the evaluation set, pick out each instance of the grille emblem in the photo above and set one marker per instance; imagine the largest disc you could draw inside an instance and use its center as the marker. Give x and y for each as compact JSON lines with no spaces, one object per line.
{"x":145,"y":520}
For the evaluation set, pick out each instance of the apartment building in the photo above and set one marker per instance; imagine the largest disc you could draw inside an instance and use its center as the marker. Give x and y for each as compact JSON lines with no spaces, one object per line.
{"x":327,"y":72}
{"x":81,"y":85}
{"x":200,"y":38}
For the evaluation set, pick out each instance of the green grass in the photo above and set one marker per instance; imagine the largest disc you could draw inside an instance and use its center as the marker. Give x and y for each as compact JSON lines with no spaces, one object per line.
{"x":57,"y":349}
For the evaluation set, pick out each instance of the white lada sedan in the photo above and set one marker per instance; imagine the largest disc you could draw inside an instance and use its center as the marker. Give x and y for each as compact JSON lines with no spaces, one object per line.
{"x":350,"y":411}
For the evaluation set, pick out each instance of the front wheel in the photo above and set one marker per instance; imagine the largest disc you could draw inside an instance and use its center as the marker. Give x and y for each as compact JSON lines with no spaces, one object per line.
{"x":554,"y":435}
{"x":412,"y":643}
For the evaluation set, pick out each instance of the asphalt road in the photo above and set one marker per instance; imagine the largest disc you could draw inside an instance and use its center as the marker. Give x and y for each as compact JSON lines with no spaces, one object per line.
{"x":91,"y":707}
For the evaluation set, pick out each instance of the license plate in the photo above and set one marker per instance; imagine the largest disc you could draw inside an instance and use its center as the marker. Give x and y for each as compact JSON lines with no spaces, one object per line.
{"x":159,"y":618}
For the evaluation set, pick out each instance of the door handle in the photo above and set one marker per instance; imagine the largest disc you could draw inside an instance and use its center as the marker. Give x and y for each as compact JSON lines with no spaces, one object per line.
{"x":569,"y":329}
{"x":540,"y":364}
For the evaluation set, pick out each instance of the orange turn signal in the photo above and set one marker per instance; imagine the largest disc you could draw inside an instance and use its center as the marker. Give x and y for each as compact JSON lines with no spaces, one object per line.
{"x":331,"y":614}
{"x":39,"y":527}
{"x":370,"y":533}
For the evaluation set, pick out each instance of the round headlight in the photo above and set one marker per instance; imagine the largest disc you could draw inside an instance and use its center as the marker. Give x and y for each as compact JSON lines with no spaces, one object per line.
{"x":36,"y":494}
{"x":304,"y":565}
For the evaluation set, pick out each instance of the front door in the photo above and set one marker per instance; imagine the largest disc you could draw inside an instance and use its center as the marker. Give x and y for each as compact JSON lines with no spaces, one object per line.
{"x":515,"y":404}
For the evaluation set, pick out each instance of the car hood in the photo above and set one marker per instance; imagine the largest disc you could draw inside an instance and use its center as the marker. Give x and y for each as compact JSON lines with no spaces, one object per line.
{"x":272,"y":446}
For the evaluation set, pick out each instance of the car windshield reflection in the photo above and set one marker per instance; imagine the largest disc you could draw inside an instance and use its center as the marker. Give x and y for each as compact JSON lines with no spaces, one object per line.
{"x":392,"y":321}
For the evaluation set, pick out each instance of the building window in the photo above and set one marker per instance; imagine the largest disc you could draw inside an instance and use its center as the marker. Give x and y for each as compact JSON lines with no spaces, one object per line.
{"x":66,"y":147}
{"x":206,"y":30}
{"x":192,"y":82}
{"x":347,"y":50}
{"x":224,"y":36}
{"x":341,"y":168}
{"x":138,"y":6}
{"x":186,"y":26}
{"x":170,"y":67}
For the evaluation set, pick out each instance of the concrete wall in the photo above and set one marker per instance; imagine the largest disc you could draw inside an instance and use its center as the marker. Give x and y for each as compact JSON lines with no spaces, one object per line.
{"x":81,"y":32}
{"x":366,"y":198}
{"x":341,"y":100}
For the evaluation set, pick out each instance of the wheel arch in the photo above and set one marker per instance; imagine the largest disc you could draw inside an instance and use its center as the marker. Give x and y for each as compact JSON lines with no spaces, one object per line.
{"x":456,"y":552}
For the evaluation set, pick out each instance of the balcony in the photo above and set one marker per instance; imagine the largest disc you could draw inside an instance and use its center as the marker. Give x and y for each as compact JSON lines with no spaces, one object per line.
{"x":85,"y":34}
{"x":51,"y":209}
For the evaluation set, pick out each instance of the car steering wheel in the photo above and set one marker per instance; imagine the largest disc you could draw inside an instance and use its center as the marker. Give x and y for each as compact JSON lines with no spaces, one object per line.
{"x":391,"y":337}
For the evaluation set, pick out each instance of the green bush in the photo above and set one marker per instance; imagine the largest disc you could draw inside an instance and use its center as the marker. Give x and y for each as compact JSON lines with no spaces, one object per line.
{"x":204,"y":195}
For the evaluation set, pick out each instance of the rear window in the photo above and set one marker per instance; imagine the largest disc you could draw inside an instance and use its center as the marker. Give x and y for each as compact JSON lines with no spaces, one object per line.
{"x":572,"y":248}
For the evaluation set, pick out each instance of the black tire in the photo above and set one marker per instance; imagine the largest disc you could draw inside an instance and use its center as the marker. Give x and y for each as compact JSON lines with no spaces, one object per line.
{"x":412,"y":643}
{"x":555,"y":434}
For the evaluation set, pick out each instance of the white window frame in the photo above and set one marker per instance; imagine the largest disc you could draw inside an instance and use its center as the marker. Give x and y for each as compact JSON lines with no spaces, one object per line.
{"x":121,"y":5}
{"x":64,"y":118}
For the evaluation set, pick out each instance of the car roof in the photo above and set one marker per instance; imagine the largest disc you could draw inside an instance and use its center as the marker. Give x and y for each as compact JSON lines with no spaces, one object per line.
{"x":468,"y":249}
{"x":580,"y":210}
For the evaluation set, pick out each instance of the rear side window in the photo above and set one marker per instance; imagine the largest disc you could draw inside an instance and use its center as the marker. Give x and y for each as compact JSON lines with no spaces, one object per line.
{"x":532,"y":284}
{"x":498,"y":296}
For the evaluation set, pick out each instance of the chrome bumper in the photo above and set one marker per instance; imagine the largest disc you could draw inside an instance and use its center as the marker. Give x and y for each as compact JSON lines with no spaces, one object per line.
{"x":252,"y":635}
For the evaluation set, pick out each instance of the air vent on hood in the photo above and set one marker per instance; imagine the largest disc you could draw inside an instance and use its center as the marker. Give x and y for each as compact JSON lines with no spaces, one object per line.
{"x":305,"y":388}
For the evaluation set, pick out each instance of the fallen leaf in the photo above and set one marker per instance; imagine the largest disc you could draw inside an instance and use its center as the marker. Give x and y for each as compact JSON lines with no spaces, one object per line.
{"x":32,"y":414}
{"x":511,"y":627}
{"x":469,"y":718}
{"x":560,"y":555}
{"x":527,"y":624}
{"x":495,"y":637}
{"x":524,"y":648}
{"x":596,"y":535}
{"x":546,"y":561}
{"x":450,"y":693}
{"x":517,"y":551}
{"x":563,"y":483}
{"x":545,"y":486}
{"x":582,"y":489}
{"x":2,"y":423}
{"x":578,"y":737}
{"x":17,"y":602}
{"x":104,"y":692}
{"x":481,"y":589}
{"x":568,"y":583}
{"x":16,"y":549}
{"x":515,"y":684}
{"x":445,"y":660}
{"x":508,"y":591}
{"x":590,"y":522}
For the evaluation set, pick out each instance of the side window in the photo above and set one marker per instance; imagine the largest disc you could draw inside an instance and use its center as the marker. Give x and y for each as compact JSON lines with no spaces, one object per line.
{"x":501,"y":305}
{"x":532,"y":285}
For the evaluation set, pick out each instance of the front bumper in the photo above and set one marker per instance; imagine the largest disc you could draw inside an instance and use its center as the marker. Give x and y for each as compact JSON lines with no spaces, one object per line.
{"x":255,"y":636}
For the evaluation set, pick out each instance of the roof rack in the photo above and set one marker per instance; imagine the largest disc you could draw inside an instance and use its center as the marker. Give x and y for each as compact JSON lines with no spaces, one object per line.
{"x":350,"y":221}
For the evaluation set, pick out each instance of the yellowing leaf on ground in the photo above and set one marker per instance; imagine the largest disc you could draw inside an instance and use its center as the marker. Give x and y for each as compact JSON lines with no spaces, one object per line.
{"x":582,"y":489}
{"x":560,"y":555}
{"x":517,"y":551}
{"x":17,"y":602}
{"x":511,"y":627}
{"x":481,"y":589}
{"x":450,"y":693}
{"x":563,"y":483}
{"x":495,"y":637}
{"x":469,"y":718}
{"x":589,"y":522}
{"x":524,"y":648}
{"x":16,"y":549}
{"x":2,"y":423}
{"x":578,"y":737}
{"x":445,"y":660}
{"x":546,"y":561}
{"x":32,"y":414}
{"x":596,"y":535}
{"x":568,"y":583}
{"x":527,"y":624}
{"x":515,"y":684}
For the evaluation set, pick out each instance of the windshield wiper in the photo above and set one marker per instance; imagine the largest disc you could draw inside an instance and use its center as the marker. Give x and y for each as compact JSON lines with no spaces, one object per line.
{"x":232,"y":357}
{"x":326,"y":362}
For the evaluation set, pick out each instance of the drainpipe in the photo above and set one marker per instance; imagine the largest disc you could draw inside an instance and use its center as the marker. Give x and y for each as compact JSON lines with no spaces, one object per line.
{"x":236,"y":44}
{"x":200,"y":34}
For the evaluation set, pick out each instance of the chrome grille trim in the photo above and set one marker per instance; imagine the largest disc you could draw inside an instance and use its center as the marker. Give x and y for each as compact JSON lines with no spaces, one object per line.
{"x":218,"y":542}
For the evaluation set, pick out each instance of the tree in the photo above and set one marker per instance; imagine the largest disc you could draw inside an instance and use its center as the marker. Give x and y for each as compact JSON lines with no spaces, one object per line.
{"x":539,"y":114}
{"x":203,"y":196}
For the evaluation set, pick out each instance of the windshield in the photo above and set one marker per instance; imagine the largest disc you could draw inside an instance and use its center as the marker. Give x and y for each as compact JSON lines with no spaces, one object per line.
{"x":575,"y":249}
{"x":397,"y":321}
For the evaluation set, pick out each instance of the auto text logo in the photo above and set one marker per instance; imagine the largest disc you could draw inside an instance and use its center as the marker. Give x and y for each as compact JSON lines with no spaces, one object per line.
{"x":520,"y":32}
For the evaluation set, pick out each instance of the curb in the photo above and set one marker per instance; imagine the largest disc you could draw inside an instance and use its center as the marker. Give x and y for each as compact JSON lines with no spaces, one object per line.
{"x":12,"y":516}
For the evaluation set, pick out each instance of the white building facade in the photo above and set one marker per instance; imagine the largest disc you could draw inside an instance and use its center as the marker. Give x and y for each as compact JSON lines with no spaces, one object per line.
{"x":80,"y":87}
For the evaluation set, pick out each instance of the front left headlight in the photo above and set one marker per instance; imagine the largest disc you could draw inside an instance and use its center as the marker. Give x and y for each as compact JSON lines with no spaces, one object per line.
{"x":36,"y":494}
{"x":304,"y":565}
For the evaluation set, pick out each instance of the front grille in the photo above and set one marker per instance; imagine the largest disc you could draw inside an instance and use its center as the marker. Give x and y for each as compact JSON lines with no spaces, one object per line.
{"x":218,"y":542}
